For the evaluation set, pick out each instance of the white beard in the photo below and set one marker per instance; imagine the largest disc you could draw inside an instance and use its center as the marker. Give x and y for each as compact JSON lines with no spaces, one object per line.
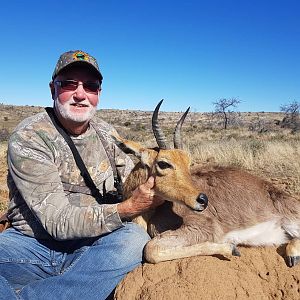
{"x":80,"y":117}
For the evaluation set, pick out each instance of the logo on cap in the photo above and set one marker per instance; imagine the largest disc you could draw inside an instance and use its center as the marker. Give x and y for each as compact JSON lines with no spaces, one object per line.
{"x":81,"y":56}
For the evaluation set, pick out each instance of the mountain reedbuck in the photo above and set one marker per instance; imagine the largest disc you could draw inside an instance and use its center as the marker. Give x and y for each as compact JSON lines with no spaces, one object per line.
{"x":239,"y":209}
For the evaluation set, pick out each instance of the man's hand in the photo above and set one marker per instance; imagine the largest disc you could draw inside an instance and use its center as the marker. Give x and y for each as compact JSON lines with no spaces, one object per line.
{"x":142,"y":199}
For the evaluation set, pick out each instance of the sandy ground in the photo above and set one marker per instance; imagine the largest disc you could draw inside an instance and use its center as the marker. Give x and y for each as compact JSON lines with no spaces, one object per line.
{"x":260,"y":273}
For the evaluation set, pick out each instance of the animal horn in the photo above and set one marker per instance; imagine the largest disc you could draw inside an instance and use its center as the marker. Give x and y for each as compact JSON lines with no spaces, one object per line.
{"x":177,"y":132}
{"x":159,"y":135}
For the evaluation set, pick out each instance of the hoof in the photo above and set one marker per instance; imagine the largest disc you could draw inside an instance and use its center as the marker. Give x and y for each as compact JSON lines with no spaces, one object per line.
{"x":235,"y":251}
{"x":292,"y":260}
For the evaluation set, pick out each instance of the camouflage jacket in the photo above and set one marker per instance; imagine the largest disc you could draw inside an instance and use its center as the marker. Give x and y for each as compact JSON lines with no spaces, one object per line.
{"x":48,"y":196}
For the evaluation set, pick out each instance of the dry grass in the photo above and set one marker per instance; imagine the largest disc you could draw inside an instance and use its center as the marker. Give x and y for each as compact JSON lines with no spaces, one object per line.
{"x":276,"y":160}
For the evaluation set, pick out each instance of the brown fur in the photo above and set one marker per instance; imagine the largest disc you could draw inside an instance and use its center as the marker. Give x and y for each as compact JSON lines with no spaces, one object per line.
{"x":237,"y":201}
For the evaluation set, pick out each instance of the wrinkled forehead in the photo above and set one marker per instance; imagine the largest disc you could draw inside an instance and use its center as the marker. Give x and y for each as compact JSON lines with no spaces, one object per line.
{"x":78,"y":72}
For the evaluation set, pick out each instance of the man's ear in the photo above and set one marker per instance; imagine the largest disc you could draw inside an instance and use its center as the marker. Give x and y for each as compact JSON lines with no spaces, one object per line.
{"x":52,"y":89}
{"x":146,"y":156}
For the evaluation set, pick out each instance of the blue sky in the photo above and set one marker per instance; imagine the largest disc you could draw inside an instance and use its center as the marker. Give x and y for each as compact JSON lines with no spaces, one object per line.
{"x":191,"y":53}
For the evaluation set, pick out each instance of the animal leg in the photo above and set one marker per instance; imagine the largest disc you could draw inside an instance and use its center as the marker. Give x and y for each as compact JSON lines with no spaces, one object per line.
{"x":293,"y":252}
{"x":180,"y":243}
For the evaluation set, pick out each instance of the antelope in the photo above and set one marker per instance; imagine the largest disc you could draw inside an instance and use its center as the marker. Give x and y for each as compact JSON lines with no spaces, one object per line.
{"x":208,"y":210}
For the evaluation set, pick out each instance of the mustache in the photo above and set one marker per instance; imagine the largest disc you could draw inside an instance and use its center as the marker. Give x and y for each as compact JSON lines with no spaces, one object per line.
{"x":73,"y":102}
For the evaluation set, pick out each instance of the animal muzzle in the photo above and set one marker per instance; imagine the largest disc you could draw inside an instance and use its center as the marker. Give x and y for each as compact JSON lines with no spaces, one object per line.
{"x":202,"y":202}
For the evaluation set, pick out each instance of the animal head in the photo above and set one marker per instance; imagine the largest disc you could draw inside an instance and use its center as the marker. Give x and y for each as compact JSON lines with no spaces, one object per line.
{"x":170,"y":167}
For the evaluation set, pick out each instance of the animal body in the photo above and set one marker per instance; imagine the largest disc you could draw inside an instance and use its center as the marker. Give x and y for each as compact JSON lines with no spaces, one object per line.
{"x":209,"y":210}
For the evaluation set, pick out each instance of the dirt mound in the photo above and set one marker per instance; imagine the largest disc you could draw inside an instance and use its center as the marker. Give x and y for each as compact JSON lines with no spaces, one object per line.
{"x":260,"y":273}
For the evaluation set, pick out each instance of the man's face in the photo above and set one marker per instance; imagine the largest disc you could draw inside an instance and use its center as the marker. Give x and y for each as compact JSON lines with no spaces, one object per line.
{"x":73,"y":99}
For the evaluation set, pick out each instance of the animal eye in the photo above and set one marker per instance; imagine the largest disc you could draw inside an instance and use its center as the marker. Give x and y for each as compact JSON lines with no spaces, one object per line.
{"x":163,"y":165}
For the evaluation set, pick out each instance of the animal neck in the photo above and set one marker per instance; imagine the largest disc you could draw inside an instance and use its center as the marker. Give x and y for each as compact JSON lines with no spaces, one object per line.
{"x":138,"y":176}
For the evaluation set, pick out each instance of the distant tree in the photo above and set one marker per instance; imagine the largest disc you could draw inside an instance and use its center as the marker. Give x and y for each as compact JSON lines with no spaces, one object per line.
{"x":223,"y":109}
{"x":291,"y":115}
{"x":291,"y":109}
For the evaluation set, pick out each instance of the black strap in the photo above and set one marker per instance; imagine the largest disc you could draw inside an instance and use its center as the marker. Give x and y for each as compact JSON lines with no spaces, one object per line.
{"x":79,"y":162}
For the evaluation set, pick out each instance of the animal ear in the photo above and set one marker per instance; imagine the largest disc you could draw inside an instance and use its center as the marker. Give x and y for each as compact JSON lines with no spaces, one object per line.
{"x":127,"y":146}
{"x":146,"y":156}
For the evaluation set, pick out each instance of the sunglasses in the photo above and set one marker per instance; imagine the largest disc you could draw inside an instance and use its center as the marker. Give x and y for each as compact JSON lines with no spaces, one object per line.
{"x":72,"y":85}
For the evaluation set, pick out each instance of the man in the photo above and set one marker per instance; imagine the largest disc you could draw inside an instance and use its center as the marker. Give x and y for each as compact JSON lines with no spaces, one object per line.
{"x":67,"y":240}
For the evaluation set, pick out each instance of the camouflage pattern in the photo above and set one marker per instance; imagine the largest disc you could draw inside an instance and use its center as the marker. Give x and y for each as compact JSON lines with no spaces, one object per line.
{"x":76,"y":56}
{"x":48,"y":197}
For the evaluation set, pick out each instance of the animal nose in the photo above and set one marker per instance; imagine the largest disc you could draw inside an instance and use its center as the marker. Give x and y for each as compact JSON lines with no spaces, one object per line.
{"x":202,"y":200}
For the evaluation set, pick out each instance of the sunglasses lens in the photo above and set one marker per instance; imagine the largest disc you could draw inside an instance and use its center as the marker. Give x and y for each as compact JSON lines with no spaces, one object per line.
{"x":69,"y":85}
{"x":91,"y":86}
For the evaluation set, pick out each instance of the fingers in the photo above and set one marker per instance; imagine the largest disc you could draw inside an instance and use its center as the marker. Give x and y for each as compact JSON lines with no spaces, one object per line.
{"x":142,"y":199}
{"x":147,"y":187}
{"x":149,"y":183}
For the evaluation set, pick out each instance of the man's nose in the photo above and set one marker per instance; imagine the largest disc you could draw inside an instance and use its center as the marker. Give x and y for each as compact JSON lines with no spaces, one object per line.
{"x":80,"y":92}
